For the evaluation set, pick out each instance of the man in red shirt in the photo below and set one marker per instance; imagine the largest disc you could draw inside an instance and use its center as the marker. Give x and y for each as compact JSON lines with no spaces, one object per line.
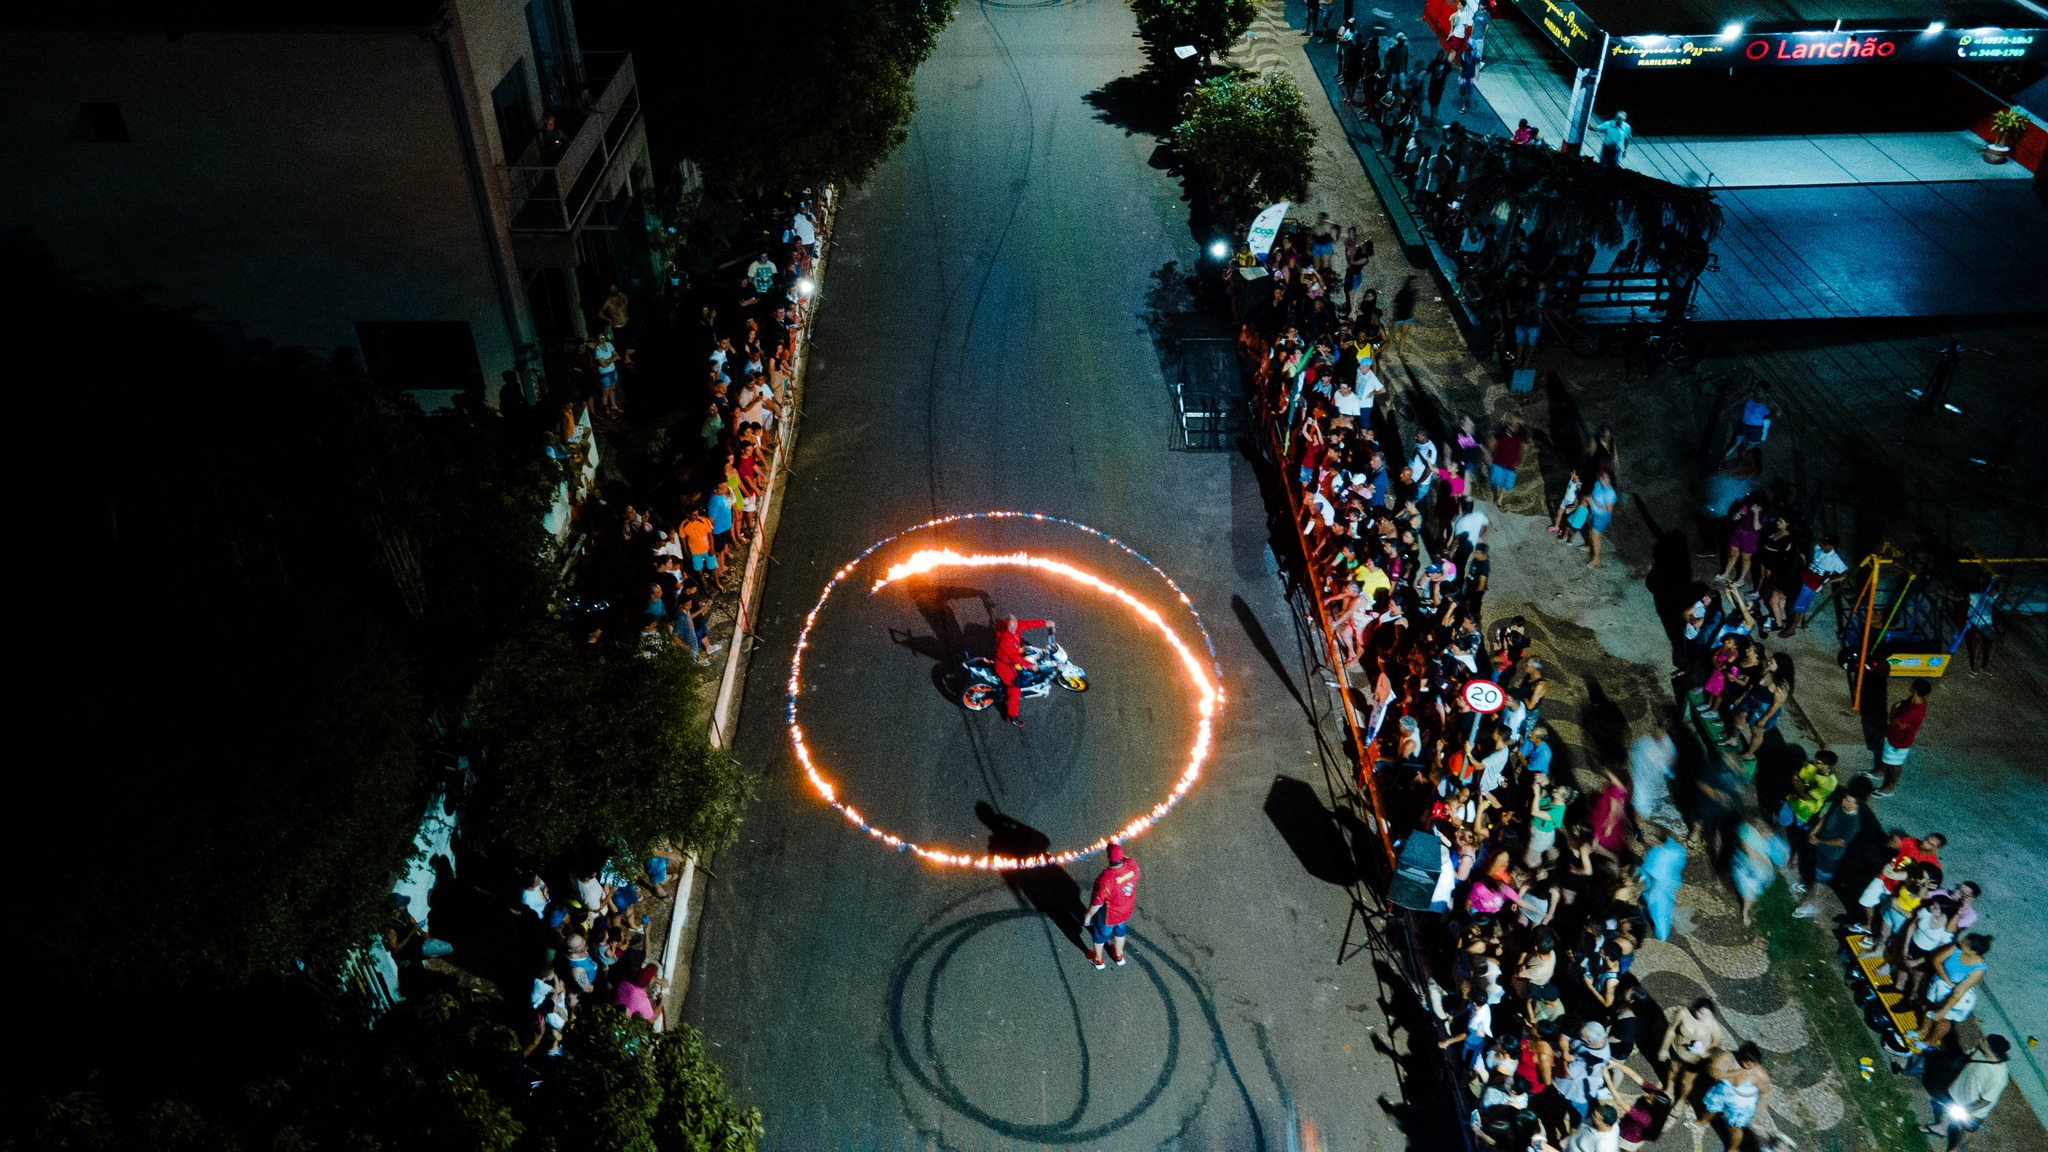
{"x":1010,"y":660}
{"x":1116,"y":893}
{"x":1899,"y":734}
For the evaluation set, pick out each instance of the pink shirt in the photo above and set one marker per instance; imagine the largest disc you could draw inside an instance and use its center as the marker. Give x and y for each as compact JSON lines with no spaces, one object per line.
{"x":633,"y":998}
{"x":1486,"y":897}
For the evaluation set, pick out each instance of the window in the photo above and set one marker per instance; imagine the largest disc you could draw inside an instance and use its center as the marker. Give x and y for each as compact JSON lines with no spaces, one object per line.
{"x":514,"y":104}
{"x":103,"y":123}
{"x":405,"y":354}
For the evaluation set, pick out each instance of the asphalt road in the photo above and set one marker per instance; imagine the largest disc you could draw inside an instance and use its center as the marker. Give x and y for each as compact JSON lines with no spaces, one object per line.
{"x":988,"y":341}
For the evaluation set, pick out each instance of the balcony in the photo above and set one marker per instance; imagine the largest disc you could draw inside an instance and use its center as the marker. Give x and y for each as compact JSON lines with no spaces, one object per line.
{"x":552,"y":188}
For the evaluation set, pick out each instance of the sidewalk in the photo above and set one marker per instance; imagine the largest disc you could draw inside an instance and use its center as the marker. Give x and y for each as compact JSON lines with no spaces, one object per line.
{"x":1602,"y":631}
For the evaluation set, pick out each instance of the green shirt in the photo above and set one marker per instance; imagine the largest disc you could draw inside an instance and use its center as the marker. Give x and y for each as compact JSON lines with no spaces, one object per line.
{"x":1811,"y":790}
{"x":1549,"y":815}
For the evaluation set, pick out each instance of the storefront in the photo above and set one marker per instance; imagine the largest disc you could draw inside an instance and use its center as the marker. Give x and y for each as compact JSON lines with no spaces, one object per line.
{"x":1608,"y":39}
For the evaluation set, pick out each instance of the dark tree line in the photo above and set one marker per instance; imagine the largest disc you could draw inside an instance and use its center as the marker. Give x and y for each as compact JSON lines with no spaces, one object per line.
{"x":268,"y":605}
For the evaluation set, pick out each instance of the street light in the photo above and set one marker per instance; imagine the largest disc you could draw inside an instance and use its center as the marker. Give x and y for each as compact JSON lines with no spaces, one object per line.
{"x":806,"y":287}
{"x":1219,"y":250}
{"x":1731,"y":31}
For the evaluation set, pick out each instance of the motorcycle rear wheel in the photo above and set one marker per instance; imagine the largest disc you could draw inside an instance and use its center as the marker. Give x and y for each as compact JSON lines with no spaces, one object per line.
{"x":1073,"y":683}
{"x":977,"y":697}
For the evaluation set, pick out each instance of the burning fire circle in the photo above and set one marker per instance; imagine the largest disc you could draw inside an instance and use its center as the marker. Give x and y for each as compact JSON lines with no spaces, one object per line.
{"x":1206,"y":677}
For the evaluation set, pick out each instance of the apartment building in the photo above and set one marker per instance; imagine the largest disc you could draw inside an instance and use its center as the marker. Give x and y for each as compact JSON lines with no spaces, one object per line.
{"x":449,"y":187}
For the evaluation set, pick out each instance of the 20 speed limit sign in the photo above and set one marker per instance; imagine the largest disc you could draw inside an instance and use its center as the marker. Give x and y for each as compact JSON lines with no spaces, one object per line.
{"x":1483,"y":696}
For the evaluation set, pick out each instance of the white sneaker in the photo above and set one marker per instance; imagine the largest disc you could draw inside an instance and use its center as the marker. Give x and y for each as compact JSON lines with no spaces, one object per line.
{"x":1805,"y":912}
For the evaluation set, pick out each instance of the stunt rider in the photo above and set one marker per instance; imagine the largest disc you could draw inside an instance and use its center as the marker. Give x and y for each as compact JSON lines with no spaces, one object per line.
{"x":1010,"y":660}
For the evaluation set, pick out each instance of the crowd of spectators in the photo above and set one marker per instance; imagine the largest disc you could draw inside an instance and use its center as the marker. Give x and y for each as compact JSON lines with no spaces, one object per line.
{"x":656,"y":562}
{"x":1533,"y":899}
{"x":597,"y":951}
{"x":665,"y":552}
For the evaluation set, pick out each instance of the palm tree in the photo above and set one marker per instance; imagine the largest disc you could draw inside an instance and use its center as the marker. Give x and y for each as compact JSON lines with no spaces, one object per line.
{"x":1574,"y":201}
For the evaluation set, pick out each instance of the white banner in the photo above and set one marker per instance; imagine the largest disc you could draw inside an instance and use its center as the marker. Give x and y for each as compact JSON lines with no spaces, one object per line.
{"x":1266,"y":227}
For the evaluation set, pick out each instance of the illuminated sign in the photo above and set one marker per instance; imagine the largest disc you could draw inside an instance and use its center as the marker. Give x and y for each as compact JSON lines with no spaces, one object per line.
{"x":1568,"y":27}
{"x":1776,"y":49}
{"x":2001,"y":43}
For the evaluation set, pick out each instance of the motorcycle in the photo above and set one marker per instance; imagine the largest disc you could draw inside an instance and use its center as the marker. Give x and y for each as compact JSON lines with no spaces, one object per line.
{"x":1050,"y":666}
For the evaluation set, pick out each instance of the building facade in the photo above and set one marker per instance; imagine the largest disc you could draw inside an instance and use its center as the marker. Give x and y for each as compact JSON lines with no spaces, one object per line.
{"x":448,"y":187}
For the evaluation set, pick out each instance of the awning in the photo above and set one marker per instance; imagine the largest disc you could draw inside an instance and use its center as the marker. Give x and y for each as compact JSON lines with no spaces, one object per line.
{"x":1690,"y":34}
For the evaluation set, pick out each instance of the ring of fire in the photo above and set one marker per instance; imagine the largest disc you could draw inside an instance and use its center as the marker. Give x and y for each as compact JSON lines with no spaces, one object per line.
{"x":1206,"y":678}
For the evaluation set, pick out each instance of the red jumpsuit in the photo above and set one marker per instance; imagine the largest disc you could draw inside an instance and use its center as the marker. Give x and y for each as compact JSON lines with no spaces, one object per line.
{"x":1009,"y":658}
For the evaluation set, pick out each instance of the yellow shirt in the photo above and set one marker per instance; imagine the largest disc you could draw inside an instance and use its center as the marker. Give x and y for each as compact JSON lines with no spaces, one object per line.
{"x":1371,"y":580}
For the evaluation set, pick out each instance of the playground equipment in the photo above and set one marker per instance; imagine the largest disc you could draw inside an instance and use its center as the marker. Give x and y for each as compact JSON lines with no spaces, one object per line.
{"x":1918,"y":609}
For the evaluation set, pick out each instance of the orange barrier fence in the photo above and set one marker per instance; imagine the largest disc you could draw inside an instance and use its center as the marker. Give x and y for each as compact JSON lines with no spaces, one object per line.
{"x":1273,"y":441}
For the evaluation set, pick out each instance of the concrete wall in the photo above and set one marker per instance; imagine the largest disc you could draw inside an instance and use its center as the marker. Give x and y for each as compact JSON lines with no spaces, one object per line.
{"x":293,"y":182}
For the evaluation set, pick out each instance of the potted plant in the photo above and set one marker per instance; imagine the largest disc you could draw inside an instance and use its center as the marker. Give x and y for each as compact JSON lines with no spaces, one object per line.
{"x":2007,"y":126}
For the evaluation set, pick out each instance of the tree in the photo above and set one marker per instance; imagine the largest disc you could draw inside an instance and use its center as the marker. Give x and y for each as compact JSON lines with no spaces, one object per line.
{"x":1247,"y":138}
{"x":269,"y":576}
{"x":612,"y":753}
{"x":1569,"y":201}
{"x":1210,"y":25}
{"x":819,"y":94}
{"x":697,"y":1112}
{"x":438,"y":1071}
{"x":625,"y":1087}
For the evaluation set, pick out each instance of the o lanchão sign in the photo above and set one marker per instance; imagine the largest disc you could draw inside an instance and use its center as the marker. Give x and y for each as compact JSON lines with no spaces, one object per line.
{"x":1781,"y":49}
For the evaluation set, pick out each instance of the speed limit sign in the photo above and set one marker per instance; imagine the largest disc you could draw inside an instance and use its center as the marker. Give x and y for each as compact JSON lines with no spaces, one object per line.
{"x":1483,"y":696}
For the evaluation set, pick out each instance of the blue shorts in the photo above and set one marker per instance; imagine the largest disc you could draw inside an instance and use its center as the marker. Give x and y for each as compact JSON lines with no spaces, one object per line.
{"x":657,"y":868}
{"x":1503,"y":478}
{"x":1804,"y":600}
{"x":1755,"y":708}
{"x":1102,"y":932}
{"x":1399,"y":323}
{"x":703,"y":561}
{"x":1600,"y":520}
{"x":608,"y":378}
{"x":1527,"y":333}
{"x":1322,"y":249}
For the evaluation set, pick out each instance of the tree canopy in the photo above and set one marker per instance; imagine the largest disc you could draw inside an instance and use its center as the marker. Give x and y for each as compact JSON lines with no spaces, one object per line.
{"x":611,"y":753}
{"x":1209,"y":25}
{"x":289,"y":571}
{"x":1563,"y":197}
{"x":436,"y":1072}
{"x":1247,"y":138}
{"x":820,"y":92}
